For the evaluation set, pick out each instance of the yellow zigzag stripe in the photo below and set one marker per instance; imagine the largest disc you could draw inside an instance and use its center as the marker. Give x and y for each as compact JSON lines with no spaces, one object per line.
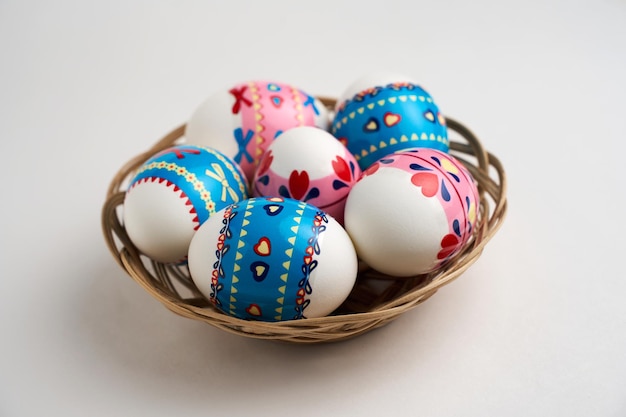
{"x":381,"y":102}
{"x":258,"y":116}
{"x":403,"y":139}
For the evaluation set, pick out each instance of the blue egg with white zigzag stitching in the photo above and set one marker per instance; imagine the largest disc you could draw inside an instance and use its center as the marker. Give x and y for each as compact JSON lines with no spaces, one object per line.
{"x":273,"y":259}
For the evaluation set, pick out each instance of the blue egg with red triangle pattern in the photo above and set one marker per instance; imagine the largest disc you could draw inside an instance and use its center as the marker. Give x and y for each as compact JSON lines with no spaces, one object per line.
{"x":173,"y":193}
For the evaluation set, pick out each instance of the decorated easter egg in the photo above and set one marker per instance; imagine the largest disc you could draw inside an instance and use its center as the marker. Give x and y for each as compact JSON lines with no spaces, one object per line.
{"x":412,"y":211}
{"x":273,"y":259}
{"x":370,"y":80}
{"x":308,"y":164}
{"x":242,"y":121}
{"x":173,"y":193}
{"x":383,"y":120}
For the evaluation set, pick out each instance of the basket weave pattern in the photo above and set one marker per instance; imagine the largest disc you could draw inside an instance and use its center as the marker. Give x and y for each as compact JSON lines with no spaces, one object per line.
{"x":376,"y":298}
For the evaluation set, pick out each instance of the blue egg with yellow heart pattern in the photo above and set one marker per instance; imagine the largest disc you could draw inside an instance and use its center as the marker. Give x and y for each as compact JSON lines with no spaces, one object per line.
{"x":273,"y":259}
{"x":379,"y":121}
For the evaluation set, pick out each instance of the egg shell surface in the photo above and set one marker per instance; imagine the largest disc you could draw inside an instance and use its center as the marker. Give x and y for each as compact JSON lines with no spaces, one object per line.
{"x":383,"y":120}
{"x":173,"y":193}
{"x":242,"y":121}
{"x":370,"y":80}
{"x":273,"y":259}
{"x":411,"y":212}
{"x":308,"y":164}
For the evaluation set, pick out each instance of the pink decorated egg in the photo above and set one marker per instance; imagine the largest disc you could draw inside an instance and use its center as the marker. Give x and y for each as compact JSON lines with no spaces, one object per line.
{"x":411,"y":212}
{"x":310,"y":165}
{"x":242,"y":121}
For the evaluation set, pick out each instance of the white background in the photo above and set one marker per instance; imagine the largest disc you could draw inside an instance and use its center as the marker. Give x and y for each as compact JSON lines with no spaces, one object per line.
{"x":537,"y":327}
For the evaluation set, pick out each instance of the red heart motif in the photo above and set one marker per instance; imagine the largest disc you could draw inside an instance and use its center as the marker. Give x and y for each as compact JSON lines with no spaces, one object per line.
{"x":448,"y":245}
{"x":254,"y":310}
{"x":298,"y":184}
{"x":341,"y":168}
{"x":427,"y":181}
{"x":391,"y":119}
{"x":263,"y":247}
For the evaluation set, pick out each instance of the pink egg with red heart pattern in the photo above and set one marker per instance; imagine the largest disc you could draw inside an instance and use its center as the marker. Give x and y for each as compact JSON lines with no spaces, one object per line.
{"x":310,"y":165}
{"x":242,"y":121}
{"x":412,"y":211}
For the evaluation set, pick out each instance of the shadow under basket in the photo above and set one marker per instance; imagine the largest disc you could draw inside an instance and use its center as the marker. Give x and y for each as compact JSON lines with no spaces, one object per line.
{"x":376,"y":298}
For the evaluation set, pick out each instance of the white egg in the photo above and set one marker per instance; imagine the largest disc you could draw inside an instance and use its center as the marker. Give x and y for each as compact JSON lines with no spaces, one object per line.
{"x":311,"y":165}
{"x":370,"y":80}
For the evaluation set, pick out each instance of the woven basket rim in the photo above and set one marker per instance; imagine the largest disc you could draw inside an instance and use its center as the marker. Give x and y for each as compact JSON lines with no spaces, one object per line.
{"x":166,"y":282}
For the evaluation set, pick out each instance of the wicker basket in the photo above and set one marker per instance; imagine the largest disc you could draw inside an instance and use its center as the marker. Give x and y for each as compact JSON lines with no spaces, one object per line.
{"x":376,"y":298}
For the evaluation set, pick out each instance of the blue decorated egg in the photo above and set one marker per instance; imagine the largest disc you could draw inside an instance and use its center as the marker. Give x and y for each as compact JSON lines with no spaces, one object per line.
{"x":382,"y":120}
{"x":173,"y":193}
{"x":273,"y":259}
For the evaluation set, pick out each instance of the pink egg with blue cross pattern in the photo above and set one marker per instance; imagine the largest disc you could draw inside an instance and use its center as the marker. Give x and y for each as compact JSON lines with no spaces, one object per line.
{"x":310,"y":165}
{"x":242,"y":121}
{"x":412,"y":211}
{"x":173,"y":193}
